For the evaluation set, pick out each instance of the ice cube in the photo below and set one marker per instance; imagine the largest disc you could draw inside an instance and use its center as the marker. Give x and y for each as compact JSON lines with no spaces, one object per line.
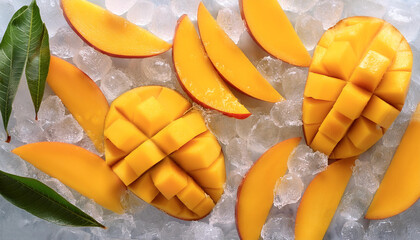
{"x":288,"y":190}
{"x":93,"y":63}
{"x":172,"y":230}
{"x":371,"y":8}
{"x":202,"y":231}
{"x":65,"y":43}
{"x":355,"y":202}
{"x":115,"y":83}
{"x":27,"y":131}
{"x":405,"y":21}
{"x":51,"y":110}
{"x":293,"y":82}
{"x":231,"y":22}
{"x":236,"y":155}
{"x":67,"y":130}
{"x":309,"y":30}
{"x":71,"y":234}
{"x":223,"y":213}
{"x":352,"y":231}
{"x":51,"y":15}
{"x":393,"y":135}
{"x":264,"y":134}
{"x":297,"y":6}
{"x":6,"y":13}
{"x":87,"y":144}
{"x":279,"y":227}
{"x":364,"y":176}
{"x":380,"y":160}
{"x":382,"y":229}
{"x":10,"y":162}
{"x":305,"y":162}
{"x":227,"y":3}
{"x":232,"y":235}
{"x":329,"y":12}
{"x":221,"y":126}
{"x":141,"y":13}
{"x":119,"y":7}
{"x":189,"y":7}
{"x":270,"y":68}
{"x":287,"y":113}
{"x":163,"y":23}
{"x":157,"y":69}
{"x":61,"y":189}
{"x":244,"y":126}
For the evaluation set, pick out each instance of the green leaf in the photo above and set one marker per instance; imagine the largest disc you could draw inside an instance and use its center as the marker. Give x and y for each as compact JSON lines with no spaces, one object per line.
{"x":25,"y":41}
{"x":37,"y":70}
{"x":41,"y":201}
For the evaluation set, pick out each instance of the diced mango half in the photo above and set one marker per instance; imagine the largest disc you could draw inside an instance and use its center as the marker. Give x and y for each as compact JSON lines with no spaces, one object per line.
{"x":356,"y":87}
{"x":164,"y":152}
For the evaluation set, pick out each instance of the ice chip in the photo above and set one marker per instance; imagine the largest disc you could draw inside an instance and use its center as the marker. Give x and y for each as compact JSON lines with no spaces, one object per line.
{"x":51,"y":15}
{"x":287,"y":113}
{"x":382,"y":229}
{"x":270,"y":68}
{"x":297,"y":6}
{"x":244,"y":126}
{"x":51,"y":110}
{"x":236,"y":156}
{"x":71,"y":234}
{"x":231,"y":22}
{"x":11,"y":163}
{"x":371,"y":8}
{"x":65,"y":43}
{"x":364,"y":176}
{"x":157,"y":69}
{"x":115,"y":83}
{"x":405,"y":21}
{"x":6,"y":13}
{"x":227,"y":3}
{"x":309,"y":30}
{"x":67,"y":130}
{"x":352,"y":231}
{"x":293,"y":82}
{"x":305,"y":162}
{"x":223,"y":213}
{"x":93,"y":63}
{"x":264,"y":134}
{"x":329,"y":12}
{"x":380,"y":159}
{"x":288,"y":190}
{"x":172,"y":230}
{"x":221,"y":126}
{"x":355,"y":202}
{"x":202,"y":231}
{"x":27,"y":131}
{"x":163,"y":23}
{"x":279,"y":227}
{"x":119,"y":7}
{"x":61,"y":189}
{"x":189,"y":7}
{"x":141,"y":13}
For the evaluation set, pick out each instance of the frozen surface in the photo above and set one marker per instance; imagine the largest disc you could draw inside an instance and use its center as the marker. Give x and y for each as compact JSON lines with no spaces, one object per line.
{"x":243,"y":141}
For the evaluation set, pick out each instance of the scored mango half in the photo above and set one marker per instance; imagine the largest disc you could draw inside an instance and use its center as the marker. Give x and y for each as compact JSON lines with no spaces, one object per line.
{"x":356,"y":87}
{"x":163,"y":151}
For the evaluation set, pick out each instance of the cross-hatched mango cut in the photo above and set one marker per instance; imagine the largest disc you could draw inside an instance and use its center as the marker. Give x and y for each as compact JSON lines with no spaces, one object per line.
{"x":356,"y":87}
{"x":163,"y":152}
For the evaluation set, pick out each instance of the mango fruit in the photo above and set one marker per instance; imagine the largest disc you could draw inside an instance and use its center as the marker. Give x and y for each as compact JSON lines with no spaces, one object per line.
{"x":162,"y":150}
{"x":356,"y":86}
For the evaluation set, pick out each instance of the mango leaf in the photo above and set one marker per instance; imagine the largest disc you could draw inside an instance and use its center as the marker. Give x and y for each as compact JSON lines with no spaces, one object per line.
{"x":37,"y":69}
{"x":25,"y":40}
{"x":41,"y":201}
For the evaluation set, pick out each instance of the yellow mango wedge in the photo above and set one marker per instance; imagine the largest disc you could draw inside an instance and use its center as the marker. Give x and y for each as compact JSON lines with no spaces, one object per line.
{"x":77,"y":168}
{"x":400,"y":187}
{"x":272,"y":30}
{"x":255,"y":194}
{"x":356,"y":87}
{"x":231,"y":62}
{"x":197,"y":75}
{"x":109,"y":33}
{"x":321,"y":199}
{"x":81,"y":96}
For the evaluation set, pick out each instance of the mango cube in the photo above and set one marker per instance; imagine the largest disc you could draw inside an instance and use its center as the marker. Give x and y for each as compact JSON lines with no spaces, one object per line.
{"x":340,"y":59}
{"x":317,"y":84}
{"x":168,"y":178}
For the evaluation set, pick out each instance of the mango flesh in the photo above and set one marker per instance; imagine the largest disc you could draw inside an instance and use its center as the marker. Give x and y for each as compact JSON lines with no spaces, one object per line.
{"x":272,"y":30}
{"x":321,"y":199}
{"x":77,"y":168}
{"x":400,"y":187}
{"x":163,"y":151}
{"x":255,"y":194}
{"x":356,"y":86}
{"x":230,"y":61}
{"x":109,"y":33}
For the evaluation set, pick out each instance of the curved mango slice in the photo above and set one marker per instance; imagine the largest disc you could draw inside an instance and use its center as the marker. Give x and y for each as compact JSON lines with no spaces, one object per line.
{"x":164,"y":152}
{"x":272,"y":30}
{"x":77,"y":168}
{"x":400,"y":187}
{"x":109,"y":33}
{"x":197,"y":75}
{"x":255,"y":194}
{"x":231,"y":62}
{"x":321,"y":199}
{"x":356,"y":86}
{"x":81,"y":96}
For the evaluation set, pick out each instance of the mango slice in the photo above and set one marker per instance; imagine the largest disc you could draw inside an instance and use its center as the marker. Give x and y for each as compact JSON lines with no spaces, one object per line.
{"x":356,"y":87}
{"x":255,"y":194}
{"x":77,"y":168}
{"x":320,"y":200}
{"x":400,"y":187}
{"x":198,"y":77}
{"x":109,"y":33}
{"x":272,"y":30}
{"x":230,"y":61}
{"x":164,"y":152}
{"x":81,"y":96}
